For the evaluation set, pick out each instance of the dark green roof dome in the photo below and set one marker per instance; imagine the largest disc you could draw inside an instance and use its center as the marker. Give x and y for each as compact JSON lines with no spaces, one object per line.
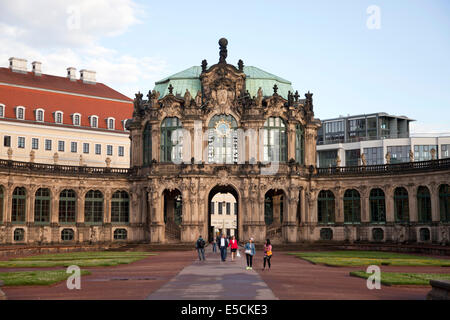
{"x":256,"y":78}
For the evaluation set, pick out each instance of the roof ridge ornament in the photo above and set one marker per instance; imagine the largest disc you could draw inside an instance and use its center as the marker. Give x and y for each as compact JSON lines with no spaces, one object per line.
{"x":241,"y":65}
{"x":275,"y":90}
{"x":170,"y":89}
{"x":223,"y":43}
{"x":204,"y":65}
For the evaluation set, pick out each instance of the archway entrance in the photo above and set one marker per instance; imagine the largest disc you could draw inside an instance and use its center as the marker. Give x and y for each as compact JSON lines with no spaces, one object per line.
{"x":223,"y":212}
{"x":274,"y":207}
{"x":173,"y":214}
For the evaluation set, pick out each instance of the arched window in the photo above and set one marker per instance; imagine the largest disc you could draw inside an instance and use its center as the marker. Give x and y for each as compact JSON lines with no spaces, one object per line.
{"x":377,"y":206}
{"x":352,"y":206}
{"x":223,"y":140}
{"x":67,"y":206}
{"x":93,"y":207}
{"x":120,"y":234}
{"x":67,"y":235}
{"x":58,"y":117}
{"x":401,"y":205}
{"x":19,"y":235}
{"x":147,"y":141}
{"x":42,"y":206}
{"x":274,"y":135}
{"x":1,"y":204}
{"x":325,"y":207}
{"x":19,"y":200}
{"x":20,"y":113}
{"x":39,"y":115}
{"x":111,"y":123}
{"x":171,"y":140}
{"x":444,"y":202}
{"x":76,"y":119}
{"x":120,"y":207}
{"x":2,"y":110}
{"x":424,"y":204}
{"x":94,"y":121}
{"x":299,"y":144}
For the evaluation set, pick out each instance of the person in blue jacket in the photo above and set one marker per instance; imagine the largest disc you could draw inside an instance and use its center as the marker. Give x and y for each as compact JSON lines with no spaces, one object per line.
{"x":250,"y":252}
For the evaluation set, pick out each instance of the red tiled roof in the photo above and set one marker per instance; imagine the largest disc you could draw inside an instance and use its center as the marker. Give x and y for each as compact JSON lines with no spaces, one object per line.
{"x":56,"y":83}
{"x":31,"y":99}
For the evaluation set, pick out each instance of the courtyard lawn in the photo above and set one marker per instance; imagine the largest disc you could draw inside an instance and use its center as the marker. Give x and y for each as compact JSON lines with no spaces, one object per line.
{"x":397,"y":278}
{"x":35,"y":278}
{"x":81,"y":259}
{"x":367,"y":258}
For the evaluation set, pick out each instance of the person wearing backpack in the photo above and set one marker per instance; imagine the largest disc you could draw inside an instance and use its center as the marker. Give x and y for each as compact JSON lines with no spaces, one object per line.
{"x":200,"y":246}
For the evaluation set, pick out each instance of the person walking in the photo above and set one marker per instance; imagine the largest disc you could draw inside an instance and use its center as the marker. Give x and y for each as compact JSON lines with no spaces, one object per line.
{"x":233,"y":246}
{"x":200,"y":246}
{"x":223,"y":247}
{"x":250,"y":252}
{"x":267,"y":253}
{"x":217,"y":240}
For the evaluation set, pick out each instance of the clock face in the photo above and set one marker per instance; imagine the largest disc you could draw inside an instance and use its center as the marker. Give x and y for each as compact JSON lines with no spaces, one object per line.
{"x":223,"y":128}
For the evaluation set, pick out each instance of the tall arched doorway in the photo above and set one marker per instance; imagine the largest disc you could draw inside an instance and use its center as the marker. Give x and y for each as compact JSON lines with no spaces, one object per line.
{"x":274,"y":207}
{"x":223,"y":212}
{"x":173,"y":214}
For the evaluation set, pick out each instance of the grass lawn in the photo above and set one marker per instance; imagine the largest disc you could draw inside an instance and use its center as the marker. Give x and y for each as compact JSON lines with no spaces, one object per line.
{"x":35,"y":278}
{"x":81,"y":259}
{"x":366,"y":258}
{"x":398,"y":278}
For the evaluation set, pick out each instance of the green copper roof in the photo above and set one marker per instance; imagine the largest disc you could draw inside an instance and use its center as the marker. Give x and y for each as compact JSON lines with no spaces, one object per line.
{"x":256,"y":78}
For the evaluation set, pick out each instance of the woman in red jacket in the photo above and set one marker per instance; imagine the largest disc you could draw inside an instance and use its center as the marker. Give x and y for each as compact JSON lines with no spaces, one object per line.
{"x":234,"y":246}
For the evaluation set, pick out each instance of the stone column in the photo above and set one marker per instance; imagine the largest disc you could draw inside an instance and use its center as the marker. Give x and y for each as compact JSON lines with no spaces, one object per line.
{"x":303,"y":204}
{"x":54,"y":211}
{"x":291,"y":141}
{"x":365,"y":206}
{"x":8,"y":203}
{"x":157,"y":216}
{"x":339,"y":205}
{"x":107,"y":207}
{"x":80,"y":205}
{"x":310,"y":145}
{"x":389,"y":198}
{"x":290,"y":222}
{"x":31,"y":192}
{"x":276,"y":200}
{"x":136,"y":145}
{"x":434,"y":195}
{"x":156,"y":141}
{"x":412,"y":202}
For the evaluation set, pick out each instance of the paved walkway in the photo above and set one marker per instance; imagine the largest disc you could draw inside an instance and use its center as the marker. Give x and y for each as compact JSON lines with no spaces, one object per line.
{"x":215,"y":280}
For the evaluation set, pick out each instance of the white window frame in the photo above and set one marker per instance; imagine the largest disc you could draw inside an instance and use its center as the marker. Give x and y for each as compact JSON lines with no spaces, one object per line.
{"x":36,"y":112}
{"x":17,"y":112}
{"x":124,"y":124}
{"x":56,"y":117}
{"x":114,"y":123}
{"x":2,"y":107}
{"x":73,"y":119}
{"x":91,"y":121}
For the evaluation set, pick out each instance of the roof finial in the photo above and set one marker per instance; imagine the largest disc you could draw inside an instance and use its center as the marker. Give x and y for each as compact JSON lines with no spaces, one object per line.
{"x":223,"y":50}
{"x":204,"y":65}
{"x":241,"y":65}
{"x":170,"y":89}
{"x":275,"y":89}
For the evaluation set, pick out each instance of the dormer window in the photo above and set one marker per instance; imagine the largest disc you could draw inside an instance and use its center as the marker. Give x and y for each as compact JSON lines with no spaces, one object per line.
{"x":76,"y":118}
{"x":20,"y":113}
{"x":111,"y":122}
{"x":58,"y":117}
{"x":2,"y":110}
{"x":40,"y":115}
{"x":94,"y":121}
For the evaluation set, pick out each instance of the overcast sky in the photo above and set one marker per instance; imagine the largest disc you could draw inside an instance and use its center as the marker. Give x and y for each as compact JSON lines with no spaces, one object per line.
{"x":354,"y":58}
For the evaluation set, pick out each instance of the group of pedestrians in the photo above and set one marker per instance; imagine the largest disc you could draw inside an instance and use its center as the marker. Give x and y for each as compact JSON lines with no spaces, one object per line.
{"x":223,"y":243}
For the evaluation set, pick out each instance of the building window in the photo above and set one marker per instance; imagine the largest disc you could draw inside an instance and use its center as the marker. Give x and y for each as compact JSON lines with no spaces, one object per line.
{"x":21,"y":142}
{"x":444,"y":202}
{"x":424,"y":153}
{"x":85,"y":147}
{"x":147,"y":140}
{"x":48,"y":145}
{"x":235,"y":208}
{"x":374,"y":156}
{"x":111,"y":124}
{"x":212,"y":207}
{"x":42,"y":206}
{"x":93,"y":207}
{"x":59,"y":117}
{"x":94,"y":121}
{"x":61,"y":146}
{"x":2,"y":111}
{"x":377,"y":206}
{"x":98,"y":149}
{"x":7,"y":141}
{"x":325,"y":207}
{"x":228,"y":208}
{"x":73,"y":147}
{"x":40,"y":115}
{"x":399,"y":154}
{"x":67,"y":206}
{"x":76,"y":119}
{"x":299,"y":144}
{"x":352,"y":206}
{"x":327,"y":158}
{"x":377,"y":234}
{"x":109,"y":150}
{"x":19,"y":205}
{"x":19,"y":235}
{"x":20,"y":113}
{"x":352,"y":157}
{"x":424,"y":234}
{"x":67,"y":235}
{"x":326,"y":234}
{"x":445,"y":151}
{"x":220,"y":206}
{"x":274,"y":135}
{"x":424,"y":204}
{"x":171,"y":140}
{"x":120,"y":207}
{"x":401,"y":205}
{"x":121,"y":151}
{"x":120,"y":234}
{"x":35,"y":143}
{"x":357,"y":130}
{"x":222,"y":140}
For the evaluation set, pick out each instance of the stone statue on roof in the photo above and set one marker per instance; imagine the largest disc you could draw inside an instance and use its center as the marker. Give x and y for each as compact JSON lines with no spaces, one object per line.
{"x":259,"y":97}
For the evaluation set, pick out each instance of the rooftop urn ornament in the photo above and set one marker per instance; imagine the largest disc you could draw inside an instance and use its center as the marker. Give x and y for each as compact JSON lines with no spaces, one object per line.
{"x":32,"y":156}
{"x":223,"y":50}
{"x":433,"y":154}
{"x":170,"y":89}
{"x":10,"y":153}
{"x":204,"y":65}
{"x":108,"y":162}
{"x":55,"y":157}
